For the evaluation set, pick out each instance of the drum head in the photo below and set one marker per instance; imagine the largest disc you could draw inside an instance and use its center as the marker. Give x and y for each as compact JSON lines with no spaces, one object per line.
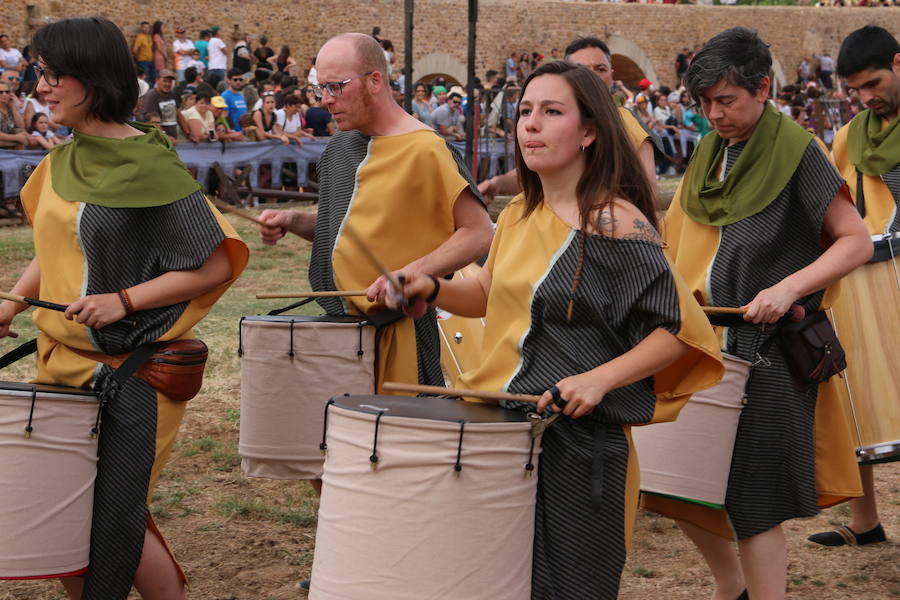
{"x":306,"y":318}
{"x":435,"y":409}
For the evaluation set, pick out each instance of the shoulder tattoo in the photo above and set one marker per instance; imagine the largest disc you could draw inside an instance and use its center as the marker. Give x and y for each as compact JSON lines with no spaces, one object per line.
{"x":643,"y":231}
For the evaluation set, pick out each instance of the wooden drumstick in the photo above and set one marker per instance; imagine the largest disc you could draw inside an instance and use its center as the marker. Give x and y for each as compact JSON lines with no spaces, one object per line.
{"x":225,"y":207}
{"x":437,"y":390}
{"x":337,"y":294}
{"x":48,"y":305}
{"x":370,"y":256}
{"x":12,"y":334}
{"x":723,"y":310}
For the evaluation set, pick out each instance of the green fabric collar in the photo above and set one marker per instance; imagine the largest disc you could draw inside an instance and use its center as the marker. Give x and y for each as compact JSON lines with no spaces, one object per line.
{"x":763,"y":169}
{"x":873,"y":150}
{"x":135,"y":172}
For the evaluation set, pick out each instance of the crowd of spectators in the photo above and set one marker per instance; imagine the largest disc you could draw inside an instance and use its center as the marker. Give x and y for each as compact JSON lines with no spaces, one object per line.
{"x":189,"y":90}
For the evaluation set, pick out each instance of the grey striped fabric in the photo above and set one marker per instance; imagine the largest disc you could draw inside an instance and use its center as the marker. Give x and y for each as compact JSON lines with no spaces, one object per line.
{"x":337,"y":170}
{"x":892,"y":181}
{"x":772,"y":476}
{"x":124,"y":247}
{"x":626,"y":291}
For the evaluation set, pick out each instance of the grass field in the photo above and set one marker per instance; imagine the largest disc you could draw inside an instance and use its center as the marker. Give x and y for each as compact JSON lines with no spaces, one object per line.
{"x":252,"y":539}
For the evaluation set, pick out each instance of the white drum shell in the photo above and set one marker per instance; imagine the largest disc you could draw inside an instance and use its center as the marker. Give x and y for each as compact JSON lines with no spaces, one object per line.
{"x":283,"y":397}
{"x":412,"y":530}
{"x":690,"y":458}
{"x":46,"y":483}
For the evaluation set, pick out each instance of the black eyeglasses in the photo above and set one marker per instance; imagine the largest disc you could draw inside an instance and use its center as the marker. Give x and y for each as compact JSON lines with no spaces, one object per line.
{"x":50,"y":76}
{"x":4,"y":92}
{"x":334,"y":88}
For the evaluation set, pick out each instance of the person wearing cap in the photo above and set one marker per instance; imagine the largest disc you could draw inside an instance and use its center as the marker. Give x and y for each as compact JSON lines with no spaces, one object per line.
{"x":182,"y":48}
{"x":218,"y":58}
{"x":222,"y":121}
{"x":448,"y":119}
{"x":163,"y":100}
{"x":593,"y":54}
{"x":438,"y":96}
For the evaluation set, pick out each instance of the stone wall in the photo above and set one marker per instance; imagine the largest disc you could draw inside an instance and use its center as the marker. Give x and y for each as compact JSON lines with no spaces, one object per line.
{"x":650,"y":35}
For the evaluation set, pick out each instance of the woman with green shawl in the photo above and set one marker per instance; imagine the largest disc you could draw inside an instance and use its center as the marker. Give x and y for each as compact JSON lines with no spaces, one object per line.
{"x":120,"y":228}
{"x":762,"y":221}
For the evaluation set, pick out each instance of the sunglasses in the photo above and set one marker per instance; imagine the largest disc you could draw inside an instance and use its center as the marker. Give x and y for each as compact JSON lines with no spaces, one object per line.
{"x":4,"y":92}
{"x":14,"y":78}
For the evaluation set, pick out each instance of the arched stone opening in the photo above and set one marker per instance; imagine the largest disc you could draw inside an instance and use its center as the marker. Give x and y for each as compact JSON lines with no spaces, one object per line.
{"x":625,"y":48}
{"x":439,"y":64}
{"x":626,"y":70}
{"x":431,"y":77}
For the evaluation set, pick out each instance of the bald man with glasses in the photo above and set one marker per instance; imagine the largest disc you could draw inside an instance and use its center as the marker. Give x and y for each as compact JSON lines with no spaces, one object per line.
{"x":401,"y":187}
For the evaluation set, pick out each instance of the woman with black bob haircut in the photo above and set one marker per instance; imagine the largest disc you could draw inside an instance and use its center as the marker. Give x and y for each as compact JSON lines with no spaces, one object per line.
{"x":87,"y":50}
{"x":581,"y":308}
{"x":120,"y":228}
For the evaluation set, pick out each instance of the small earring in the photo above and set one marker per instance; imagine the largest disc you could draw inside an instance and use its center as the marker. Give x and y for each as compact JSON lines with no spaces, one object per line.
{"x":582,"y":148}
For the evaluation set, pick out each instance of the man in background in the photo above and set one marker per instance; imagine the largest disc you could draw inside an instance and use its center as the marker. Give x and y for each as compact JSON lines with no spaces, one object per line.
{"x":142,"y":49}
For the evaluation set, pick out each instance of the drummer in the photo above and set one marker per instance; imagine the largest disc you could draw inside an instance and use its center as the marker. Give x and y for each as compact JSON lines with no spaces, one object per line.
{"x":578,"y":295}
{"x":120,"y":227}
{"x":746,"y":228}
{"x":868,"y":150}
{"x":401,"y":187}
{"x":593,"y":53}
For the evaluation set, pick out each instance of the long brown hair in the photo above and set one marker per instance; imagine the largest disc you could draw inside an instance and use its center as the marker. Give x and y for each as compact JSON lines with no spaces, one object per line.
{"x":613,"y":168}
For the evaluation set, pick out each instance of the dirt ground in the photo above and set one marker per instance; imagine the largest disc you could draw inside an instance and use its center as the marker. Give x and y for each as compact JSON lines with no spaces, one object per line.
{"x":251,"y":539}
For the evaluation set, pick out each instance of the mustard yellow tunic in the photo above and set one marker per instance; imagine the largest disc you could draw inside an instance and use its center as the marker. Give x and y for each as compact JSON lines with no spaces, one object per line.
{"x":627,"y":290}
{"x":62,"y":266}
{"x":397,"y":193}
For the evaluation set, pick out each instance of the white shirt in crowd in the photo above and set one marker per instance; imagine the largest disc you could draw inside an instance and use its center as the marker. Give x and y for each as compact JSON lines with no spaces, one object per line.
{"x":10,"y":58}
{"x":292,"y":125}
{"x":217,"y":57}
{"x":313,"y":76}
{"x":181,"y":60}
{"x":826,"y":63}
{"x":197,"y":64}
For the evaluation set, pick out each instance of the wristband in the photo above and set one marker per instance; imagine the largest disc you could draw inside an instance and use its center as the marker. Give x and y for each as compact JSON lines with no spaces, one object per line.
{"x":437,"y":289}
{"x":126,"y":301}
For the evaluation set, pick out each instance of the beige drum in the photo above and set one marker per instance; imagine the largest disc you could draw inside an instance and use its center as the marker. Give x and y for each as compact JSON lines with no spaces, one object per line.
{"x":461,"y":337}
{"x":290,"y":366}
{"x":425,"y":498}
{"x":690,"y":458}
{"x":46,"y":479}
{"x":866,"y":317}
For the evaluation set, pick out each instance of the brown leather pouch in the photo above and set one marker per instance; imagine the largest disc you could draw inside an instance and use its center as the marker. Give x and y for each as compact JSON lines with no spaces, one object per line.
{"x":175,"y":368}
{"x":811,"y":350}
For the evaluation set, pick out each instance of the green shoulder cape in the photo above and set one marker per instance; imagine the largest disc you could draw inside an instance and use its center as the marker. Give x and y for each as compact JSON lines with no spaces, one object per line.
{"x":134,"y":172}
{"x":873,"y":150}
{"x":763,"y":169}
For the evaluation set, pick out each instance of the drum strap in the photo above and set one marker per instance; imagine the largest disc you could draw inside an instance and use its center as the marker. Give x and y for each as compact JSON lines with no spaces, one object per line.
{"x":18,"y":353}
{"x":860,"y":195}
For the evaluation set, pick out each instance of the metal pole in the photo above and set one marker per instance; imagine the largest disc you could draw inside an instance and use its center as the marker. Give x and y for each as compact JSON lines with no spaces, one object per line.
{"x":470,"y":84}
{"x":407,"y":54}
